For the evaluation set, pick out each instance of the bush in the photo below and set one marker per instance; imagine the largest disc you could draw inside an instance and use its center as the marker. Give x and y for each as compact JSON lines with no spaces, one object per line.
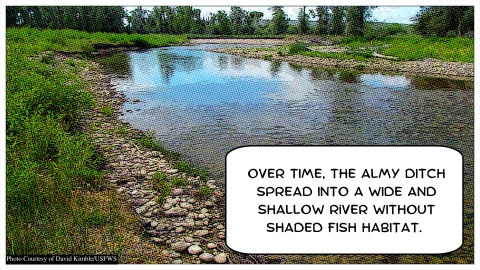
{"x":297,"y":48}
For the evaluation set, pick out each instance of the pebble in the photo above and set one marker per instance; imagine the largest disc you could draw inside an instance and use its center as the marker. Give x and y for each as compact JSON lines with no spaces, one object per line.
{"x":180,"y":246}
{"x":194,"y":249}
{"x":131,"y":167}
{"x":157,"y":240}
{"x":206,"y":257}
{"x":177,"y":191}
{"x":208,"y":203}
{"x":220,"y":258}
{"x":176,"y":211}
{"x":201,"y":233}
{"x":186,"y":206}
{"x":174,"y":255}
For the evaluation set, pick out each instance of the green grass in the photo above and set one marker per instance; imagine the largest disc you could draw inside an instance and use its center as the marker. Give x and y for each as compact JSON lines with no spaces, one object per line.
{"x":415,"y":47}
{"x":35,"y":41}
{"x":407,"y":47}
{"x":297,"y":48}
{"x":107,"y":111}
{"x":179,"y":181}
{"x":204,"y":191}
{"x":191,"y":170}
{"x":55,"y":199}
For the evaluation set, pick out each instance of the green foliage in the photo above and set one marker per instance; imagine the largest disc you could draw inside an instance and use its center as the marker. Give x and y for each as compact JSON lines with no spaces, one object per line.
{"x":107,"y":111}
{"x":96,"y":217}
{"x":83,"y":18}
{"x":279,"y":23}
{"x":445,"y":21}
{"x":204,"y":191}
{"x":52,"y":172}
{"x":122,"y":131}
{"x":385,"y":30}
{"x":355,"y":20}
{"x":337,"y":25}
{"x":415,"y":47}
{"x":191,"y":170}
{"x":303,"y":21}
{"x":162,"y":185}
{"x":297,"y":48}
{"x":148,"y":141}
{"x":178,"y":181}
{"x":159,"y":176}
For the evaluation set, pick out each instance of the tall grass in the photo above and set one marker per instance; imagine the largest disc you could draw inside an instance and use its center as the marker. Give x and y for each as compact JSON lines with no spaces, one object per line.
{"x":55,"y":199}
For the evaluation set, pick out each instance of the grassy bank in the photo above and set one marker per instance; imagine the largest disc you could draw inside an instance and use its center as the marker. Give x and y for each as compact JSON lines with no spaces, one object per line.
{"x":56,"y":202}
{"x":415,"y":47}
{"x":404,"y":47}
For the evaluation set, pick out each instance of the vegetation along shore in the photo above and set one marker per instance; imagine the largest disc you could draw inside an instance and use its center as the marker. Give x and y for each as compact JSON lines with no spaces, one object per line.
{"x":80,"y":181}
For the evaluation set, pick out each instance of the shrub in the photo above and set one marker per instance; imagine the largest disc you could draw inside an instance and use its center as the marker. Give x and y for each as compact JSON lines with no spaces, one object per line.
{"x":297,"y":48}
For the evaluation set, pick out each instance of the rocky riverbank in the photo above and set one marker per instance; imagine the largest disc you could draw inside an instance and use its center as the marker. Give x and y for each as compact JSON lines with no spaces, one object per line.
{"x":189,"y":228}
{"x":431,"y":67}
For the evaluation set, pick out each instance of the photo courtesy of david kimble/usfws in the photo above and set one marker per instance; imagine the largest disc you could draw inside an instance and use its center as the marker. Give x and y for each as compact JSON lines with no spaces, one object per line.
{"x":119,"y":120}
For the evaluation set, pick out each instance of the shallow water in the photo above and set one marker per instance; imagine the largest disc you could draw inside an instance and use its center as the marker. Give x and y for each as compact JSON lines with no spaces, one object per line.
{"x":203,"y":104}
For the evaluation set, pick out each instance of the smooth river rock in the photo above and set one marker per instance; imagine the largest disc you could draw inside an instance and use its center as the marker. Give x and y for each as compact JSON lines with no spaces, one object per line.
{"x":206,"y":257}
{"x":194,"y":249}
{"x":180,"y":246}
{"x":220,"y":258}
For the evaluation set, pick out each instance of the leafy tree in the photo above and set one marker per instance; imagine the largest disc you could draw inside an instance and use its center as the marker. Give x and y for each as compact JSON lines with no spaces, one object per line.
{"x":255,"y":17}
{"x":279,"y":24}
{"x":356,"y":17}
{"x":303,"y":21}
{"x":441,"y":21}
{"x":323,"y":18}
{"x":237,"y":15}
{"x":138,"y":20}
{"x":337,"y":22}
{"x":220,"y":24}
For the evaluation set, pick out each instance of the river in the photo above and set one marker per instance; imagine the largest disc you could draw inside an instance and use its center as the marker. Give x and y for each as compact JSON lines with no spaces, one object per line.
{"x":202,"y":104}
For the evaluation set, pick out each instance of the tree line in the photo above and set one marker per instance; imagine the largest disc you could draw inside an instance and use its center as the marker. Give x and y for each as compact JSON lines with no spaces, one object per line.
{"x":445,"y":21}
{"x":322,"y":20}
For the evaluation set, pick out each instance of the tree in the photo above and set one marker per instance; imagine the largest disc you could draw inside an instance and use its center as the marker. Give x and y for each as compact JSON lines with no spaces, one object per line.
{"x":323,"y":18}
{"x":255,"y":17}
{"x":441,"y":21}
{"x":138,"y":20}
{"x":356,"y":17}
{"x":337,"y":24}
{"x":302,"y":21}
{"x":279,"y":24}
{"x":237,"y":15}
{"x":220,"y":24}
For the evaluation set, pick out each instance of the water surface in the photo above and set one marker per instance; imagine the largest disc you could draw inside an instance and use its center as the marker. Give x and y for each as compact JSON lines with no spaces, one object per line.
{"x":203,"y":104}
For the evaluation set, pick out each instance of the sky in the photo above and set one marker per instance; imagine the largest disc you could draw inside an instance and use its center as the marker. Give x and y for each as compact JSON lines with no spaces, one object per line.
{"x":386,"y":14}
